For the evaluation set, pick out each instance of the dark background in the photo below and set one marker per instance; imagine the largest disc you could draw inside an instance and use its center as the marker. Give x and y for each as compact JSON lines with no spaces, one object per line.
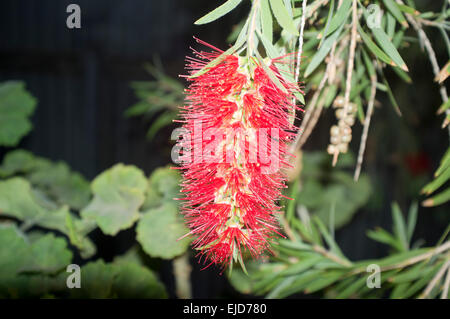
{"x":81,"y":79}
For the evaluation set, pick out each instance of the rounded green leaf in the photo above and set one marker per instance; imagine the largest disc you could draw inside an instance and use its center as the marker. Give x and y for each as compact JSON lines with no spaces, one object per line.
{"x":118,"y":195}
{"x":158,"y":232}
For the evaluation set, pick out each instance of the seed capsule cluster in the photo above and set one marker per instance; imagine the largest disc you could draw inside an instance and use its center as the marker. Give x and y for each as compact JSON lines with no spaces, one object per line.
{"x":341,"y":134}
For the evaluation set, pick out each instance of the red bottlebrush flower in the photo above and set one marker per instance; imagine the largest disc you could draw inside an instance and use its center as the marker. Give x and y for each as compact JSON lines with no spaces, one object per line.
{"x":238,"y":124}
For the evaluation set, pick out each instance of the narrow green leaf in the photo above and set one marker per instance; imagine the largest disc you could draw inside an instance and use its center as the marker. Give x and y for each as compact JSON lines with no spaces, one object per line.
{"x":163,"y":120}
{"x":445,"y":162}
{"x":412,"y":219}
{"x":438,"y":199}
{"x":391,"y":96}
{"x":327,"y":279}
{"x":407,"y":9}
{"x":326,"y":235}
{"x":282,"y":15}
{"x":374,"y":48}
{"x":402,"y":75}
{"x":327,"y":25}
{"x":390,"y":25}
{"x":437,"y":182}
{"x":218,"y":12}
{"x":322,"y":52}
{"x":386,"y":44}
{"x":266,"y":20}
{"x":396,"y":12}
{"x":399,"y":225}
{"x":444,"y":107}
{"x":301,"y":266}
{"x":269,"y":72}
{"x":340,"y":17}
{"x":384,"y":237}
{"x":369,"y":65}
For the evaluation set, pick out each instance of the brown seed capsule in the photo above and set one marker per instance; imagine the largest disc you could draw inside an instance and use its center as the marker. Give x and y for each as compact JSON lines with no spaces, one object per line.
{"x":340,"y":114}
{"x":349,"y":120}
{"x":338,"y":101}
{"x":352,"y":108}
{"x":345,"y":130}
{"x":334,"y":130}
{"x":346,"y":138}
{"x":331,"y":149}
{"x":335,"y":139}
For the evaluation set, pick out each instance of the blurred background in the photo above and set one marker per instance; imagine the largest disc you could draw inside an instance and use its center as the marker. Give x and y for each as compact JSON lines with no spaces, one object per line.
{"x":82,"y":81}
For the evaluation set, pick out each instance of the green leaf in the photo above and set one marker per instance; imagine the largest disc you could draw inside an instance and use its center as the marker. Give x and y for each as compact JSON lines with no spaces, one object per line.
{"x":16,"y":105}
{"x":282,"y":15}
{"x":437,"y":182}
{"x":438,"y":199}
{"x":386,"y":44}
{"x":97,"y":279}
{"x":327,"y":25}
{"x":159,"y":232}
{"x":407,"y":9}
{"x":412,"y":219}
{"x":342,"y":192}
{"x":443,"y":107}
{"x":323,"y":51}
{"x":328,"y":238}
{"x":118,"y":195}
{"x":399,"y":226}
{"x":48,"y":254}
{"x":327,"y":279}
{"x":301,"y":265}
{"x":384,"y":237}
{"x":18,"y":200}
{"x":340,"y":17}
{"x":374,"y":48}
{"x":13,"y":254}
{"x":163,"y":120}
{"x":391,"y":96}
{"x":270,"y":73}
{"x":136,"y":282}
{"x":266,"y":20}
{"x":218,"y":12}
{"x":352,"y":289}
{"x":163,"y":186}
{"x":396,"y":12}
{"x":271,"y":50}
{"x":56,"y":181}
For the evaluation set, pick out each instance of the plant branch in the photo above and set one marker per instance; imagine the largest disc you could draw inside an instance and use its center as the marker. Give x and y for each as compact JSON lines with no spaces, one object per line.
{"x":350,"y":64}
{"x":362,"y":146}
{"x":435,"y":280}
{"x":431,"y":55}
{"x":444,"y":294}
{"x":251,"y":30}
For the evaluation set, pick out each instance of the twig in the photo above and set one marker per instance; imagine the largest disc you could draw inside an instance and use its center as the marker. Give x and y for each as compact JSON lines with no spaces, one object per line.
{"x":444,"y":294}
{"x":311,"y":124}
{"x":296,"y":144}
{"x":351,"y":59}
{"x":251,"y":31}
{"x":411,"y":261}
{"x":429,"y":254}
{"x":435,"y":280}
{"x":431,"y":55}
{"x":362,"y":146}
{"x":331,"y":256}
{"x":300,"y":41}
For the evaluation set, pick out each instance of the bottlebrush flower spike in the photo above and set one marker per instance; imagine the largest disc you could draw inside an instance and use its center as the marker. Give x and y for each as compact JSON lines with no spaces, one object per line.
{"x":239,"y":118}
